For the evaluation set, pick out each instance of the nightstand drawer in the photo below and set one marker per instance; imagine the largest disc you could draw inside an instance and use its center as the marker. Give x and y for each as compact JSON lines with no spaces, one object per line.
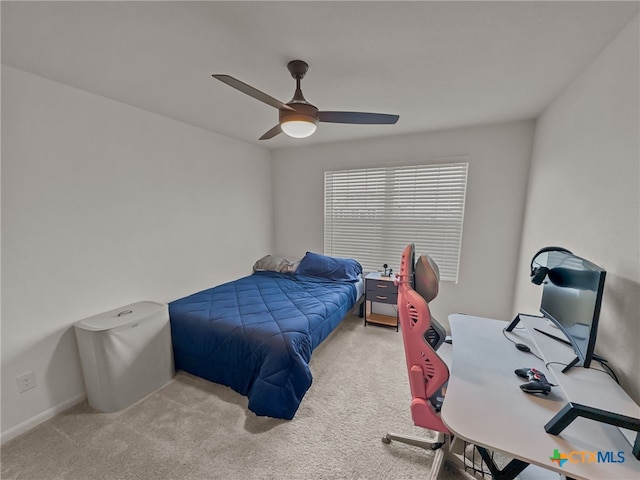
{"x":381,"y":287}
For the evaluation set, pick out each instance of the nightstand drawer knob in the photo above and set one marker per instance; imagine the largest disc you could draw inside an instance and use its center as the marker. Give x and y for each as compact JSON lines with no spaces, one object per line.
{"x":380,"y":297}
{"x":381,"y":285}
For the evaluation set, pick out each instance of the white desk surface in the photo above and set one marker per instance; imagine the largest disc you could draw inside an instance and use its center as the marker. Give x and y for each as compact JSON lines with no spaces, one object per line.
{"x":485,"y":406}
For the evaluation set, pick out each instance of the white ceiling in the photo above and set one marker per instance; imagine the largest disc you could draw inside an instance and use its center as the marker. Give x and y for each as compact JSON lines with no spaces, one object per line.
{"x":436,"y":64}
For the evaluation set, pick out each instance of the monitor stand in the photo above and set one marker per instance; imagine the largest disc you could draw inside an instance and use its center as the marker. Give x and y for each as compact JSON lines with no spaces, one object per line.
{"x":516,"y":320}
{"x":571,"y":364}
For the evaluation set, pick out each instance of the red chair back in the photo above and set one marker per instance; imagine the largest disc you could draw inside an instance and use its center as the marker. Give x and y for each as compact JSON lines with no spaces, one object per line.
{"x":428,"y":373}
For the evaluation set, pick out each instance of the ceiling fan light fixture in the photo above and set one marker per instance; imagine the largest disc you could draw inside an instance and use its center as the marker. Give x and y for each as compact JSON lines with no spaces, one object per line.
{"x":299,"y":126}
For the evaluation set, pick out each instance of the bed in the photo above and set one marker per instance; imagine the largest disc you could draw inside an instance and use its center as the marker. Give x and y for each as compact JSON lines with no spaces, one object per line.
{"x":256,"y":334}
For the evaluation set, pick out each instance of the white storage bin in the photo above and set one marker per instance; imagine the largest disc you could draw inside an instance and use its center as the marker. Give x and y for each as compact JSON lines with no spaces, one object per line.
{"x":125,"y":353}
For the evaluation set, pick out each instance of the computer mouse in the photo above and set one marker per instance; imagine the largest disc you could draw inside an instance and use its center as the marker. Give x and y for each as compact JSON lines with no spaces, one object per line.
{"x":522,"y":347}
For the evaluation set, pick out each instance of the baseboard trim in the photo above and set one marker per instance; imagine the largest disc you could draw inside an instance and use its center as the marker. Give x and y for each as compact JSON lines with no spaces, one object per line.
{"x":32,"y":422}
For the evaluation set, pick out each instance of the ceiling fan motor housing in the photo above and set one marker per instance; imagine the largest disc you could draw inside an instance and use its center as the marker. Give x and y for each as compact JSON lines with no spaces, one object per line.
{"x":304,"y":112}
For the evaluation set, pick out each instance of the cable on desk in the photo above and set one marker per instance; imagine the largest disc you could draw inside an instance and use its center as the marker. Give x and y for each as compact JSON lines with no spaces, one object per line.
{"x":611,"y":373}
{"x":609,"y":370}
{"x":504,"y":332}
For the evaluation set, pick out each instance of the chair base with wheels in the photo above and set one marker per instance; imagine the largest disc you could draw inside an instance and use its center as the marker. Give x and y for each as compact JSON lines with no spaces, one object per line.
{"x":421,"y":442}
{"x":444,"y":446}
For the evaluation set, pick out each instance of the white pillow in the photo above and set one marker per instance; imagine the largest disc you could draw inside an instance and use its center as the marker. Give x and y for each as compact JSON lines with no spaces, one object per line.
{"x":275,"y":263}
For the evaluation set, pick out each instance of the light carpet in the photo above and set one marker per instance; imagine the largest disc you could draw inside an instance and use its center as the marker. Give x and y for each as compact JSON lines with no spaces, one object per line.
{"x":194,"y":429}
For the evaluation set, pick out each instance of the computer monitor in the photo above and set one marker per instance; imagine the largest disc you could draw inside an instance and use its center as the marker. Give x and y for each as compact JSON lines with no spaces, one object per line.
{"x":571,"y":298}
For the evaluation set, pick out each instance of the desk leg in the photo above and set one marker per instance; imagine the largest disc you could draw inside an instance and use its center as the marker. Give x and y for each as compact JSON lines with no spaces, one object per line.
{"x":509,"y":472}
{"x":571,"y":411}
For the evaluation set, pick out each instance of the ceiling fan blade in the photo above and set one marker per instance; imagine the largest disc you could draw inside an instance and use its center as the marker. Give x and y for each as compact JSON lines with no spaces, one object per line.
{"x":358,"y":117}
{"x":252,"y":92}
{"x":271,"y":133}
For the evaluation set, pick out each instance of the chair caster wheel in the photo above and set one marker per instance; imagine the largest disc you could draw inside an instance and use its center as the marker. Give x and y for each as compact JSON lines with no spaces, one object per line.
{"x":386,"y":440}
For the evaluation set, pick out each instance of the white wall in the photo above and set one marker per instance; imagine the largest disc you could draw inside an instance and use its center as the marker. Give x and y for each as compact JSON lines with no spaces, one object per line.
{"x":104,"y":204}
{"x":584,"y":194}
{"x":499,"y":164}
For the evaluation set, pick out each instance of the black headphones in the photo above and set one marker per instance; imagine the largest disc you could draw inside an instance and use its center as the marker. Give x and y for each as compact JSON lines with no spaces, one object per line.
{"x":539,"y":273}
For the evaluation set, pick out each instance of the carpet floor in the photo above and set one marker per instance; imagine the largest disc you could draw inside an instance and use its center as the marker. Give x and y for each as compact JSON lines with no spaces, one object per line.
{"x":195,"y":429}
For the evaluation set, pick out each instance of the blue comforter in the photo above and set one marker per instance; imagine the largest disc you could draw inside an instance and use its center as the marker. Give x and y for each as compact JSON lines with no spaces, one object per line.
{"x":256,"y":335}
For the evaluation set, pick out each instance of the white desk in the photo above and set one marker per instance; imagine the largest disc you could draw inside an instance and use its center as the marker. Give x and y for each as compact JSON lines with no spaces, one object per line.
{"x":485,"y":406}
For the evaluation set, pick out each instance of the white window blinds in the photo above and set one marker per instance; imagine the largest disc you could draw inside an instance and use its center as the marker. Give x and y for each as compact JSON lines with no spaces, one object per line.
{"x":371,"y":214}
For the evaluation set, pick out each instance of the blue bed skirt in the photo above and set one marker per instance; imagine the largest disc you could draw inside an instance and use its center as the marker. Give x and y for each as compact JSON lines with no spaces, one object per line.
{"x":256,"y":335}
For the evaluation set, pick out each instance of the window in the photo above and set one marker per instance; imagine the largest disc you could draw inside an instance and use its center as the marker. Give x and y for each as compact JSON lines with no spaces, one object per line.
{"x":371,"y":214}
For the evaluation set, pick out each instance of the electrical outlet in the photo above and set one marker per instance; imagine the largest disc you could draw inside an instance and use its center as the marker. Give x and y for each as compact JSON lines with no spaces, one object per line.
{"x":26,"y":381}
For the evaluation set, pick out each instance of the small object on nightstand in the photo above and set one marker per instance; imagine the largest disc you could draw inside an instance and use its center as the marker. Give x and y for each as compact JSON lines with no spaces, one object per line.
{"x":387,"y":270}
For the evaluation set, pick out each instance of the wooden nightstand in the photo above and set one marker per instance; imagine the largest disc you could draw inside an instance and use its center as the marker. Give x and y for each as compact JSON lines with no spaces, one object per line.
{"x":379,"y":289}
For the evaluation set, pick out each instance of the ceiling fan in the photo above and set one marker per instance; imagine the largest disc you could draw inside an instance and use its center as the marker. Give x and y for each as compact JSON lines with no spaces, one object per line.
{"x":299,"y":118}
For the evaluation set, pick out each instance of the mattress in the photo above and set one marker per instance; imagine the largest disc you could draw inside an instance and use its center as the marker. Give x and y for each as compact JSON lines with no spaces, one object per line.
{"x":256,"y":334}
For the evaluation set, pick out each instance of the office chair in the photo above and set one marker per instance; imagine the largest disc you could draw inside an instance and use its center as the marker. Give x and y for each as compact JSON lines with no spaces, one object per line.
{"x":428,"y":373}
